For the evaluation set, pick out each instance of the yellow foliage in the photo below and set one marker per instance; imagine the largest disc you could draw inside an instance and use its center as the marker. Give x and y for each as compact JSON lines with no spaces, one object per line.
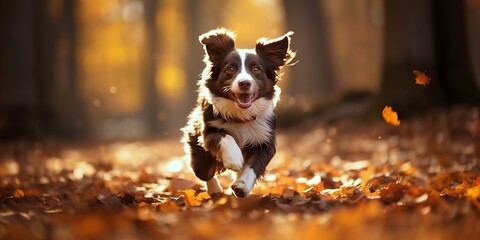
{"x":390,"y":116}
{"x":421,"y":78}
{"x":192,"y":200}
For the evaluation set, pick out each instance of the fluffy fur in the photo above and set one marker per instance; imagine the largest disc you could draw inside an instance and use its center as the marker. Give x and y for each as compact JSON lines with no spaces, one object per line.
{"x":233,"y":123}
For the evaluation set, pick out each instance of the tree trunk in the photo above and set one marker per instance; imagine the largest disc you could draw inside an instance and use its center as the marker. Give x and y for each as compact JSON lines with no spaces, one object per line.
{"x":454,"y":63}
{"x":194,"y":48}
{"x":313,"y":75}
{"x":77,"y":124}
{"x":59,"y":109}
{"x":45,"y":34}
{"x":17,"y":79}
{"x":151,"y":100}
{"x":409,"y":45}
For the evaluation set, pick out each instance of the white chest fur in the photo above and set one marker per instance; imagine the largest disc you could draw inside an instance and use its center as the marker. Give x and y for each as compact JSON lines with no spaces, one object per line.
{"x":253,"y":132}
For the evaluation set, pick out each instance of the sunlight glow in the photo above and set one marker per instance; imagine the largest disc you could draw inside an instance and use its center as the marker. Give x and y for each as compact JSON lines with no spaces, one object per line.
{"x":170,"y":81}
{"x":83,"y":169}
{"x":113,"y":89}
{"x":175,"y":165}
{"x":356,"y":165}
{"x":270,"y":177}
{"x":54,"y":165}
{"x":314,"y":181}
{"x":123,"y":155}
{"x":9,"y":167}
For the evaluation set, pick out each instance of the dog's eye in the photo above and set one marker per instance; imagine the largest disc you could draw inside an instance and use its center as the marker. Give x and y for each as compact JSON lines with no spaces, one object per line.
{"x":230,"y":70}
{"x":256,"y":70}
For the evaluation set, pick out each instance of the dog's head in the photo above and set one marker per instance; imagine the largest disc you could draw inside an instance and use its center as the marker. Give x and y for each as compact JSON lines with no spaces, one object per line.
{"x":243,"y":78}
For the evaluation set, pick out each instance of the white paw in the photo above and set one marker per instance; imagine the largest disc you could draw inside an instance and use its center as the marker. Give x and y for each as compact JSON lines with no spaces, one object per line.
{"x":240,"y":189}
{"x":231,"y":154}
{"x":213,"y":187}
{"x":244,"y":184}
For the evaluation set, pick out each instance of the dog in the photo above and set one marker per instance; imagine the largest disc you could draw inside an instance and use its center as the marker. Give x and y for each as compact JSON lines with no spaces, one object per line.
{"x":233,"y":123}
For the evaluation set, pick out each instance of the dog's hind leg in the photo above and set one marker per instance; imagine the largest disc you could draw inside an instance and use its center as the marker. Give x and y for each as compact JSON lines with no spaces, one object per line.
{"x":213,"y":186}
{"x":203,"y":163}
{"x":205,"y":166}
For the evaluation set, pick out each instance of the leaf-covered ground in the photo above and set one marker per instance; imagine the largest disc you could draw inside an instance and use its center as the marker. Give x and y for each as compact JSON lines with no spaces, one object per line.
{"x":352,"y":179}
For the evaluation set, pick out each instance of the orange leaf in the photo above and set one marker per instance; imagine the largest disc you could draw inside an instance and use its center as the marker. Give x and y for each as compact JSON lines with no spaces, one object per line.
{"x":202,"y":196}
{"x":473,"y":192}
{"x":18,"y":194}
{"x":390,"y":116}
{"x":421,"y":78}
{"x":192,"y":200}
{"x":168,"y":206}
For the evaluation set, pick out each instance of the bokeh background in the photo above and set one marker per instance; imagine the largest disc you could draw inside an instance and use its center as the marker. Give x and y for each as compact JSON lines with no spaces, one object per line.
{"x":127,"y":69}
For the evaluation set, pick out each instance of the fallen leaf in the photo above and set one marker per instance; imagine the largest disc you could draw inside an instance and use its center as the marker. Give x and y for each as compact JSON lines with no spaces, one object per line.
{"x":421,"y":78}
{"x":202,"y":196}
{"x":192,"y":200}
{"x":392,"y":193}
{"x":390,"y":116}
{"x":168,"y":206}
{"x":369,"y":194}
{"x":473,"y":193}
{"x":18,"y":194}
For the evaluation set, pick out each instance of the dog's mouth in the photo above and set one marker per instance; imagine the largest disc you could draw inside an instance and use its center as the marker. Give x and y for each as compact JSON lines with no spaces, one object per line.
{"x":243,"y":100}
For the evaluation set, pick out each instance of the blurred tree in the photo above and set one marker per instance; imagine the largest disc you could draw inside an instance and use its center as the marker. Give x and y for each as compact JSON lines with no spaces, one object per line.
{"x":196,"y":25}
{"x":151,"y":102}
{"x":60,"y":106}
{"x":313,"y":75}
{"x":17,"y":78}
{"x":473,"y":24}
{"x":194,"y":63}
{"x":454,"y":62}
{"x":427,"y":36}
{"x":38,"y":84}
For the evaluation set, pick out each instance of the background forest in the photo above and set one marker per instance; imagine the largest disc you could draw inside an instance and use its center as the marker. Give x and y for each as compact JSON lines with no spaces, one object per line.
{"x":127,"y":69}
{"x":93,"y":94}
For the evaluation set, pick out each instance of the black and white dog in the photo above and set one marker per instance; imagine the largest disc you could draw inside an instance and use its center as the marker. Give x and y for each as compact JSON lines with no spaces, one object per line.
{"x":233,"y":123}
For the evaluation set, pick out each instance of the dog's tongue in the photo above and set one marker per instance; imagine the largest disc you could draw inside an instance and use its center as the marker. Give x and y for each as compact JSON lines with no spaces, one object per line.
{"x":244,"y":100}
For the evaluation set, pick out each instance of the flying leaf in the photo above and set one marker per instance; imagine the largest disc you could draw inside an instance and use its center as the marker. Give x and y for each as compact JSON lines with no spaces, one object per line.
{"x":390,"y":116}
{"x":421,"y":78}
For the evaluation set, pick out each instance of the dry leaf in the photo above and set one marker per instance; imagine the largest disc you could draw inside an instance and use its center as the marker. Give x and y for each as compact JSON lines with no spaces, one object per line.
{"x":390,"y":116}
{"x":168,"y":206}
{"x":192,"y":200}
{"x":473,"y":194}
{"x":18,"y":194}
{"x":363,"y":185}
{"x":421,"y":78}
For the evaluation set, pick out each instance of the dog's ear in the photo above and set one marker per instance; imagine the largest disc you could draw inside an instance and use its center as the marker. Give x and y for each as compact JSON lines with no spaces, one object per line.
{"x":276,"y":51}
{"x":218,"y":43}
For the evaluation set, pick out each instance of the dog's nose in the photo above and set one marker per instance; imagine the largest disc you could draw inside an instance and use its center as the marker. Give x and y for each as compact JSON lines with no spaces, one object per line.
{"x":244,"y":84}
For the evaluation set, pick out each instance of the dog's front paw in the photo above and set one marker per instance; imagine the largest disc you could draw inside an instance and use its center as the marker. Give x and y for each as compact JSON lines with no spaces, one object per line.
{"x":233,"y":160}
{"x":232,"y":157}
{"x":240,"y":189}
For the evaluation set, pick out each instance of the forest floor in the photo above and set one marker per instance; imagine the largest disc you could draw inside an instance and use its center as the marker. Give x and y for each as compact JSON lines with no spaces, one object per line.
{"x":351,"y":179}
